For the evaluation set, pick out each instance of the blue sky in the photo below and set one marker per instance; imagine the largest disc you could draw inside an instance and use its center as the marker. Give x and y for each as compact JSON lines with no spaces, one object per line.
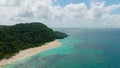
{"x":87,"y":2}
{"x":62,"y":13}
{"x":65,"y":2}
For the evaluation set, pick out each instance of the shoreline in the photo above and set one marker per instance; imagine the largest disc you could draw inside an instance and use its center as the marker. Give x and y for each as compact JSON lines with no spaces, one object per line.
{"x":30,"y":52}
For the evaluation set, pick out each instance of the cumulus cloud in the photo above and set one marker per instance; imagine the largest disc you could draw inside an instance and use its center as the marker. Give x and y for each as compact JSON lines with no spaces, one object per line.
{"x":72,"y":15}
{"x":75,"y":10}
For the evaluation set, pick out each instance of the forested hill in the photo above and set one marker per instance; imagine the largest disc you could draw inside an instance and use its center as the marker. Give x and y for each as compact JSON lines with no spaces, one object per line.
{"x":23,"y":36}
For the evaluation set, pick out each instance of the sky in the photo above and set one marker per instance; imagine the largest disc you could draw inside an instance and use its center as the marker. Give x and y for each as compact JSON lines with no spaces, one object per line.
{"x":61,"y":13}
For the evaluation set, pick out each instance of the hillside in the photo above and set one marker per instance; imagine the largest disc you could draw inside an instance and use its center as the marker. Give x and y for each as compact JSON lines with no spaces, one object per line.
{"x":23,"y":36}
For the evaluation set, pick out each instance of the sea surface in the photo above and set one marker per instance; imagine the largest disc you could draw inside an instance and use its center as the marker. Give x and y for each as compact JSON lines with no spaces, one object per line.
{"x":83,"y":48}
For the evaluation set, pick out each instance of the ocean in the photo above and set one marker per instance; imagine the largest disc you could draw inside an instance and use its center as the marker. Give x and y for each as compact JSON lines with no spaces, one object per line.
{"x":83,"y":48}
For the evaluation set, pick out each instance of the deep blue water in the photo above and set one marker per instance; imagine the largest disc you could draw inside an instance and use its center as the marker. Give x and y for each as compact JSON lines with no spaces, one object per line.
{"x":84,"y":48}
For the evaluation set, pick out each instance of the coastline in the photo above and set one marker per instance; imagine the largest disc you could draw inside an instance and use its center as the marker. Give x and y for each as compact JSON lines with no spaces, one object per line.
{"x":30,"y":52}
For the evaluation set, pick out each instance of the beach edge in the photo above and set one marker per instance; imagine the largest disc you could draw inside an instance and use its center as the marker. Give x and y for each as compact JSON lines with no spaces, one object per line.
{"x":30,"y":52}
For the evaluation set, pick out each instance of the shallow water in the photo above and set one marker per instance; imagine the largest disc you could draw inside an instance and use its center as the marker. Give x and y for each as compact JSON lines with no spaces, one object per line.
{"x":84,"y":48}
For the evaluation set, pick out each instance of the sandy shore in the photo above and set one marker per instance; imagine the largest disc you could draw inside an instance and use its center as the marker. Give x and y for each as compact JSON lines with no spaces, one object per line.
{"x":30,"y":52}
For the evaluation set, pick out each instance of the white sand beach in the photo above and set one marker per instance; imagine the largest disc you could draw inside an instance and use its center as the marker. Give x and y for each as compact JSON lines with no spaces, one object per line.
{"x":30,"y":52}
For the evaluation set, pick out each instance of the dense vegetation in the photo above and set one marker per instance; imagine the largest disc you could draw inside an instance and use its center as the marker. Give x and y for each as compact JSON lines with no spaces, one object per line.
{"x":22,"y":36}
{"x":60,"y":35}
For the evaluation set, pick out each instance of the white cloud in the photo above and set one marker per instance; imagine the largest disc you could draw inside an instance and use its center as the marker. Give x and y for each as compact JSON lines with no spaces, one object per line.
{"x":75,"y":15}
{"x":75,"y":10}
{"x":112,"y":7}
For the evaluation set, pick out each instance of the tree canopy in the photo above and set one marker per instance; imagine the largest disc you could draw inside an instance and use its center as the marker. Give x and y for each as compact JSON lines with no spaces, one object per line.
{"x":23,"y":36}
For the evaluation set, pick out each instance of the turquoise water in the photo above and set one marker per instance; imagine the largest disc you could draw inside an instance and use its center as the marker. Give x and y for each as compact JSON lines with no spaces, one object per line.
{"x":84,"y":48}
